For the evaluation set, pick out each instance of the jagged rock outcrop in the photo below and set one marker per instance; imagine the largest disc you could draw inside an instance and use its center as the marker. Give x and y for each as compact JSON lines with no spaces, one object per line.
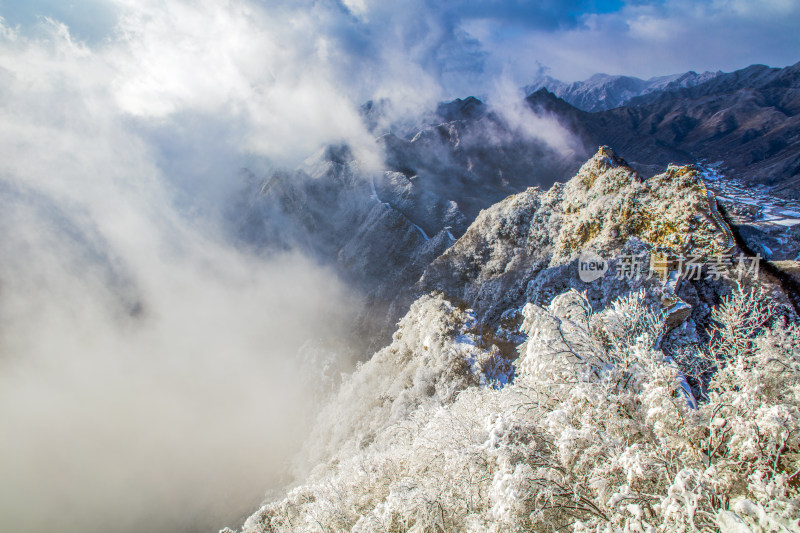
{"x":527,"y":247}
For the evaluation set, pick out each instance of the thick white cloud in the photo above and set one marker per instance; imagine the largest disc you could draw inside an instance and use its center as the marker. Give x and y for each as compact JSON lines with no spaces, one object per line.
{"x":151,"y":374}
{"x":269,"y":78}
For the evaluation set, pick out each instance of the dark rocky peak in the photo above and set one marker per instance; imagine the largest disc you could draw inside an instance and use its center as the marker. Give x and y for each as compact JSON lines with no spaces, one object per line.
{"x":340,"y":154}
{"x":752,"y":76}
{"x":469,"y":108}
{"x":373,"y":112}
{"x":758,"y":77}
{"x":544,"y":100}
{"x":787,"y":77}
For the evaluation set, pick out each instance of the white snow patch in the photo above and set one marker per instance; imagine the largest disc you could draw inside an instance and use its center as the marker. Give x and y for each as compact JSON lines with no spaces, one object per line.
{"x":788,"y":222}
{"x":422,"y":231}
{"x":374,"y":194}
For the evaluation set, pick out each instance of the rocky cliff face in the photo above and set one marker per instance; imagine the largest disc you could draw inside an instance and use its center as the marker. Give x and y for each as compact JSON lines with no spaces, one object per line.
{"x":526,"y":248}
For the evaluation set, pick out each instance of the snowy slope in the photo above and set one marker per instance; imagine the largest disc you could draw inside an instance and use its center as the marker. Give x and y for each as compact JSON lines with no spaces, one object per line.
{"x":594,"y":418}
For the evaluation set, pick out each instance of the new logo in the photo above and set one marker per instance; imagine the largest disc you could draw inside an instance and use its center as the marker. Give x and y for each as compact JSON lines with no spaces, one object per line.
{"x":591,"y":266}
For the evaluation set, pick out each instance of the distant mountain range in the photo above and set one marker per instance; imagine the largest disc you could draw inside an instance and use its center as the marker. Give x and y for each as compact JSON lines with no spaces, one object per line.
{"x":747,"y":120}
{"x":603,"y":91}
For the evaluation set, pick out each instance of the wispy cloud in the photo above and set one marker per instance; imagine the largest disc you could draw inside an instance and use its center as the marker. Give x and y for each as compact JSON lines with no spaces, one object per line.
{"x":650,"y":38}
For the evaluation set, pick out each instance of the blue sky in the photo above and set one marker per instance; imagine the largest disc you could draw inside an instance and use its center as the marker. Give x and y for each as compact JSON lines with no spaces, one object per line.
{"x":465,"y":43}
{"x":87,"y":19}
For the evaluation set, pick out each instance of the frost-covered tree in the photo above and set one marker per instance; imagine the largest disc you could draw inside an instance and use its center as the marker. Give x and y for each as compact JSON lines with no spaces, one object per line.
{"x":598,"y":431}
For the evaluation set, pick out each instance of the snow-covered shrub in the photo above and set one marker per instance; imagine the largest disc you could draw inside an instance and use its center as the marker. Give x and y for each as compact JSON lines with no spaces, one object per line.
{"x":596,"y":434}
{"x":633,"y":452}
{"x":427,"y":363}
{"x":752,"y":440}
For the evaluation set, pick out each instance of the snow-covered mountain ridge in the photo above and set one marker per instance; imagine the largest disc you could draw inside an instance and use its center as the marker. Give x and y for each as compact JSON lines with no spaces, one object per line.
{"x":603,"y":91}
{"x":605,"y":416}
{"x":528,"y":245}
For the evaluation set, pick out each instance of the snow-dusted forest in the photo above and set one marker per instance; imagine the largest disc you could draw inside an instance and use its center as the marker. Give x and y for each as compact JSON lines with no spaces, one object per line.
{"x":597,"y":433}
